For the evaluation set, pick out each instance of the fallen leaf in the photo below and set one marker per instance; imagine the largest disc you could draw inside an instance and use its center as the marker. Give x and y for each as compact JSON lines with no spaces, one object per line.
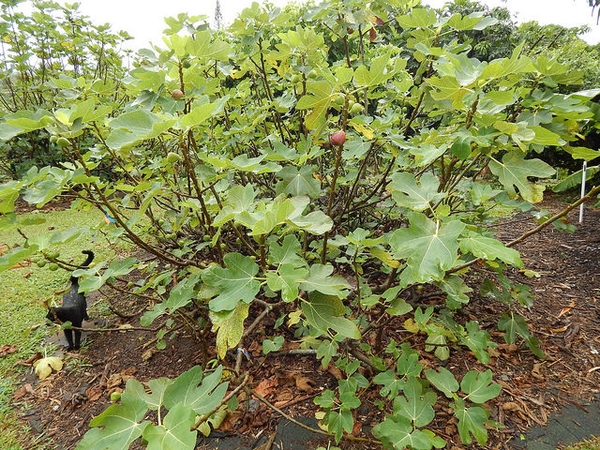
{"x":560,"y":330}
{"x":284,"y":396}
{"x":148,"y":354}
{"x":94,"y":392}
{"x":511,"y":406}
{"x":304,"y":384}
{"x":536,"y":373}
{"x":43,"y":367}
{"x":335,"y":371}
{"x":23,"y":391}
{"x":7,"y":350}
{"x":566,"y":309}
{"x":266,"y":387}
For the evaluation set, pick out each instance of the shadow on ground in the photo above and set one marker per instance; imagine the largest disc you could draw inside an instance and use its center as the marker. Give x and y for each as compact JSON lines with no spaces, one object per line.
{"x":574,"y":423}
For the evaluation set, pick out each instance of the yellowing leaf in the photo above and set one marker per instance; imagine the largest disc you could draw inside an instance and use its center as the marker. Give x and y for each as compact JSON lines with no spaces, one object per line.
{"x":364,"y":130}
{"x":43,"y":367}
{"x":229,"y":326}
{"x":411,"y":325}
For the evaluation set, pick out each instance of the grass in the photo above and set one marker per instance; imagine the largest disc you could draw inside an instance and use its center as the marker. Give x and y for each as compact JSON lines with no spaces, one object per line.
{"x":22,"y":314}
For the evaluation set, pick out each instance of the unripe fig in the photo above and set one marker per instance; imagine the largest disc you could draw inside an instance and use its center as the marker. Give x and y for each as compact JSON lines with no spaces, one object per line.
{"x":296,"y":78}
{"x":63,"y":142}
{"x":338,"y":99}
{"x":177,"y":94}
{"x":53,"y":266}
{"x":173,"y":157}
{"x":338,"y":138}
{"x":356,"y":108}
{"x":313,"y":74}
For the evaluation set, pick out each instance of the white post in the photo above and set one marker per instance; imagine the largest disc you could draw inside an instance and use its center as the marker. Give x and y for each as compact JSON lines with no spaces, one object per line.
{"x":583,"y":171}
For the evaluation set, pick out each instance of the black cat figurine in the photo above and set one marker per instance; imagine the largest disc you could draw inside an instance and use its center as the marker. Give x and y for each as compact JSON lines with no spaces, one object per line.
{"x":73,"y":309}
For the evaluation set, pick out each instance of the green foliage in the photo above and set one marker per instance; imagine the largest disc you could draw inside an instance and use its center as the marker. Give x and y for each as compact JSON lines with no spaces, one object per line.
{"x":191,"y":394}
{"x":53,"y":56}
{"x":226,"y":181}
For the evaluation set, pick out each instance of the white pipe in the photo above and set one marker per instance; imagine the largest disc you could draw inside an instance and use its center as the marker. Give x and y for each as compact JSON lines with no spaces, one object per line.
{"x":583,"y":171}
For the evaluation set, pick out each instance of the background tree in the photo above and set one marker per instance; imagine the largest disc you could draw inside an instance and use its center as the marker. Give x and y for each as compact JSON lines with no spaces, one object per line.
{"x":218,"y":16}
{"x":48,"y":55}
{"x":491,"y":42}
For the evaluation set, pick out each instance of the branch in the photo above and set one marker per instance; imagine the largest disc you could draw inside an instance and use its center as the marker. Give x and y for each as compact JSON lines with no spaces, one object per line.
{"x":540,"y":227}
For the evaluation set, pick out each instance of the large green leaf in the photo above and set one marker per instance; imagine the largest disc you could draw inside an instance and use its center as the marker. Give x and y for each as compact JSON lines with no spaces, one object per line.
{"x":134,"y":126}
{"x":430,"y":248}
{"x":320,"y":279}
{"x":443,"y":380}
{"x":489,"y":249}
{"x":479,"y":386}
{"x":120,"y":427}
{"x":377,"y":74}
{"x":235,"y":283}
{"x":296,"y":182}
{"x":195,"y":390}
{"x":471,"y":421}
{"x":398,"y":432}
{"x":318,"y":99}
{"x":287,"y":279}
{"x":325,"y":312}
{"x":417,"y":196}
{"x":175,"y":433}
{"x":153,"y":397}
{"x":415,"y":405}
{"x":513,"y":172}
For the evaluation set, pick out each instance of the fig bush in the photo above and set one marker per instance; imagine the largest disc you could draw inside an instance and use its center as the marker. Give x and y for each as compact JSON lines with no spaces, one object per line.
{"x":251,"y":183}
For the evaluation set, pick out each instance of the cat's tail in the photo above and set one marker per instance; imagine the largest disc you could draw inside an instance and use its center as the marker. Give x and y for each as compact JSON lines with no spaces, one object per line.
{"x":89,"y":259}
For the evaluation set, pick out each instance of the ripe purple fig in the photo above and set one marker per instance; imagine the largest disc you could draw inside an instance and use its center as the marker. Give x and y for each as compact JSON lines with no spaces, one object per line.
{"x":338,"y":138}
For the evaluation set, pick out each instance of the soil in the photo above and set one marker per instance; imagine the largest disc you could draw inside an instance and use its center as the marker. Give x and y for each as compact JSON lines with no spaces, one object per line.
{"x":565,"y":316}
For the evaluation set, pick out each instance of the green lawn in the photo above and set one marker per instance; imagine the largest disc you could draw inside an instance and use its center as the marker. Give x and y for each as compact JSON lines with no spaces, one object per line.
{"x":21,"y":305}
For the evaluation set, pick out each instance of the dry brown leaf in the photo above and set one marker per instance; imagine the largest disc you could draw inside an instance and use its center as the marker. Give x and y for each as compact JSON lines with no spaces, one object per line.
{"x":560,"y":330}
{"x":114,"y":381}
{"x":7,"y":350}
{"x":511,"y":406}
{"x":304,"y":384}
{"x":536,"y":373}
{"x":149,"y":354}
{"x":285,"y":395}
{"x":29,"y":361}
{"x":94,"y":392}
{"x":23,"y":391}
{"x":129,"y":372}
{"x":566,"y":309}
{"x":266,"y":387}
{"x":333,"y":370}
{"x":229,"y":424}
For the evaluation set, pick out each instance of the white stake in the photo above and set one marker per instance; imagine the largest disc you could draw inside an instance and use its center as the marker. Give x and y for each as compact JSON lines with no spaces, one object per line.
{"x":583,"y":170}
